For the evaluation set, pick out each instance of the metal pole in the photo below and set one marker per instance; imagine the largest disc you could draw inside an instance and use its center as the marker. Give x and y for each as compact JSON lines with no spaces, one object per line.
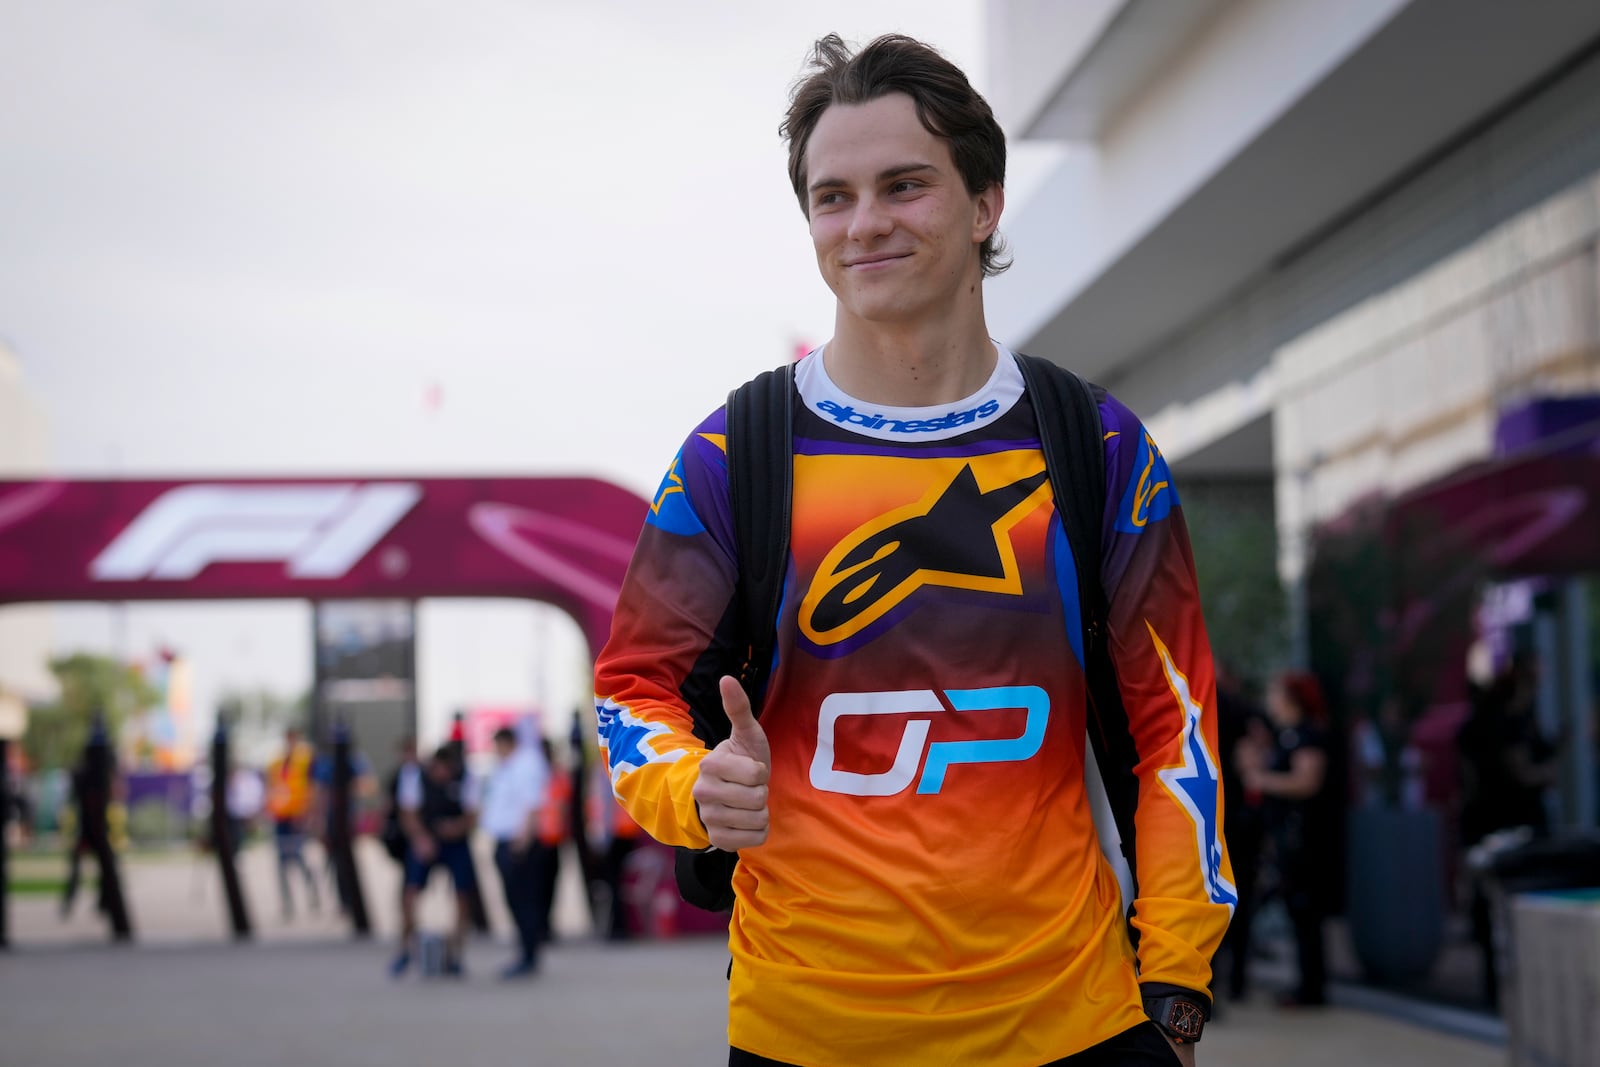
{"x":339,"y":825}
{"x":5,"y":817}
{"x":97,"y":783}
{"x":222,"y":840}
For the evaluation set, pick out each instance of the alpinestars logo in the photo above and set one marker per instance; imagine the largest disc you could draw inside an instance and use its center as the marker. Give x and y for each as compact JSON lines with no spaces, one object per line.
{"x":844,"y":413}
{"x":957,"y":536}
{"x":316,"y":531}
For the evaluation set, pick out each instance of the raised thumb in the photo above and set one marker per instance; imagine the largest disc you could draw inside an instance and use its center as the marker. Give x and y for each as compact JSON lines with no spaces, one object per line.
{"x":747,"y":733}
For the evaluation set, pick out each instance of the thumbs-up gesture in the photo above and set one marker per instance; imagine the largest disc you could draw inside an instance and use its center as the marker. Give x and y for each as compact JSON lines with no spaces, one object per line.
{"x":732,"y":788}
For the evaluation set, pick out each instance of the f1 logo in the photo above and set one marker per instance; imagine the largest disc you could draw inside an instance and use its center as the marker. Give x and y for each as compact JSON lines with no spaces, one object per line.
{"x":317,"y":531}
{"x":942,"y":755}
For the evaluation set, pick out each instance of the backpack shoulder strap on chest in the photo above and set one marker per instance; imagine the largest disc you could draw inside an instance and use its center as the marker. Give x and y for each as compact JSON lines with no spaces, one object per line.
{"x":1073,"y":441}
{"x":760,"y":450}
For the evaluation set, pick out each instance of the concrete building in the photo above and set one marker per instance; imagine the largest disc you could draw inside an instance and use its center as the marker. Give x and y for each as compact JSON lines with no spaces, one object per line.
{"x":1321,"y":248}
{"x":25,"y":630}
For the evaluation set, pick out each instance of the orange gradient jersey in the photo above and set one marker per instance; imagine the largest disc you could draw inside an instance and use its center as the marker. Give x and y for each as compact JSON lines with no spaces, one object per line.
{"x":932,"y":889}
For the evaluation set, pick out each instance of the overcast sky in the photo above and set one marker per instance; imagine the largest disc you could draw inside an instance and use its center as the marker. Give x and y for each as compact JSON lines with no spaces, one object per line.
{"x":382,"y":236}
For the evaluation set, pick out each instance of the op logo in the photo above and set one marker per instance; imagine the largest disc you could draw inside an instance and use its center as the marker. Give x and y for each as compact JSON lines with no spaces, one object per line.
{"x":923,"y":705}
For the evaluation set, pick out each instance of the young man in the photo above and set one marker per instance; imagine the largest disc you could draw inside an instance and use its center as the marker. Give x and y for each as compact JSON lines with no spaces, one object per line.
{"x":513,"y":807}
{"x":438,"y":809}
{"x":919,"y":877}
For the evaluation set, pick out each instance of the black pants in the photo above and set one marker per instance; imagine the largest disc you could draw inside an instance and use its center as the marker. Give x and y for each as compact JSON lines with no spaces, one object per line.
{"x":611,"y":868}
{"x":1306,"y":913}
{"x":1142,"y":1046}
{"x":547,"y":858}
{"x":524,"y":889}
{"x":1244,"y":849}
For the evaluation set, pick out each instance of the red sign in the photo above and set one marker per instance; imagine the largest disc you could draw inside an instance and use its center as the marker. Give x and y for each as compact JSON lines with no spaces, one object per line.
{"x":566,"y":541}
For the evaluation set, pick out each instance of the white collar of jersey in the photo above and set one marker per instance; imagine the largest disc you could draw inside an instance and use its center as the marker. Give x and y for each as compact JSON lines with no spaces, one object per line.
{"x":889,"y":423}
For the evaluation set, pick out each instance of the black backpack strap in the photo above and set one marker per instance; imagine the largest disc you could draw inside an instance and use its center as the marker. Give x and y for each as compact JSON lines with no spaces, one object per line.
{"x":760,"y":451}
{"x":1073,"y":441}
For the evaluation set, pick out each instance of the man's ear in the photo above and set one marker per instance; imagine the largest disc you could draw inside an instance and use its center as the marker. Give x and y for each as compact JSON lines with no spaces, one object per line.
{"x":986,"y":218}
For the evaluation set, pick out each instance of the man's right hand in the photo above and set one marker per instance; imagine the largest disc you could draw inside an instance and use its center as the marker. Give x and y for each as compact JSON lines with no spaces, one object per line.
{"x":732,"y":789}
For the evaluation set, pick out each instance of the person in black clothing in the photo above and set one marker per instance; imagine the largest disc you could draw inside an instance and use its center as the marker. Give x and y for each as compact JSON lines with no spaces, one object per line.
{"x":1240,"y":724}
{"x":1291,"y":776}
{"x":86,"y":810}
{"x":1507,"y":763}
{"x":438,"y":809}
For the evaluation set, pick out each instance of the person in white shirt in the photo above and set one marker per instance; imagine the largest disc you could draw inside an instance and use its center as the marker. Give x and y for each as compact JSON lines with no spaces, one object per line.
{"x":515,"y":794}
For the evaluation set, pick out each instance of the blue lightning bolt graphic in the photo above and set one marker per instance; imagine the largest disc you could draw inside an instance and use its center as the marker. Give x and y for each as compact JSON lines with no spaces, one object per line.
{"x":626,"y":740}
{"x":1194,"y":785}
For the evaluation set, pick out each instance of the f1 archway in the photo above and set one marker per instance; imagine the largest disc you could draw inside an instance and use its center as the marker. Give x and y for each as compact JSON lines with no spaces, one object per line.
{"x":564,"y":541}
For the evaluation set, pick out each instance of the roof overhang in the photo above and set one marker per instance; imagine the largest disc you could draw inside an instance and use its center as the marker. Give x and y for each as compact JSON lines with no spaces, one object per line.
{"x":1418,"y":82}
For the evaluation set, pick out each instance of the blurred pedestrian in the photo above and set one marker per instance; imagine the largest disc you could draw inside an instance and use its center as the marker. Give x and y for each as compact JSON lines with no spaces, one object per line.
{"x":1507,"y":763}
{"x":615,"y":836}
{"x":246,"y":796}
{"x":288,"y":784}
{"x":438,"y":809}
{"x":80,"y":812}
{"x":1291,"y":775}
{"x":392,"y":834}
{"x":1240,"y":724}
{"x":1390,"y":767}
{"x":362,"y":788}
{"x":514,"y":800}
{"x":555,"y":831}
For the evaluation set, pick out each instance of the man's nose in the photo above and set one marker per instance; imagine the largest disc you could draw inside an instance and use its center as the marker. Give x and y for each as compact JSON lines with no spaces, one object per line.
{"x":869,"y":220}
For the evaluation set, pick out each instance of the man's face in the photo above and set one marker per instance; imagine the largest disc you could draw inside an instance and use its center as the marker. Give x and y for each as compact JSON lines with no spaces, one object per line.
{"x":895,"y":230}
{"x":504,"y":746}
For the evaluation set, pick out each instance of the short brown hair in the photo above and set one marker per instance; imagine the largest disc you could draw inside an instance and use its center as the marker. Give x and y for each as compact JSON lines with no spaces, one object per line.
{"x":949,"y":107}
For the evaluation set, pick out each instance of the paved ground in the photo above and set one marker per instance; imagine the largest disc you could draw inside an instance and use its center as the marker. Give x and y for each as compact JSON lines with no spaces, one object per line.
{"x":304,"y":993}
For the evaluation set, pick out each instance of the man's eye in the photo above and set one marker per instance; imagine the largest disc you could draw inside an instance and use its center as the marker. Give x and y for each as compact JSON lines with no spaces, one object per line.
{"x":903,"y":187}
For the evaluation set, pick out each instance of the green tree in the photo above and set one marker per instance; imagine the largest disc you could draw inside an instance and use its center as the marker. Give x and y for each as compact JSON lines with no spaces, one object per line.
{"x":89,"y":685}
{"x":1233,"y":534}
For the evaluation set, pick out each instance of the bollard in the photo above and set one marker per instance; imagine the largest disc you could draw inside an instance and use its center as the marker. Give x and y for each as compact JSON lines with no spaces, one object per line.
{"x":97,"y":831}
{"x":340,"y":836}
{"x":222,"y":842}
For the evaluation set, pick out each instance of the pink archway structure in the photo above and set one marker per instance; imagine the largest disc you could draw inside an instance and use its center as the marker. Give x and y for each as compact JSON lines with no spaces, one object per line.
{"x":564,"y":541}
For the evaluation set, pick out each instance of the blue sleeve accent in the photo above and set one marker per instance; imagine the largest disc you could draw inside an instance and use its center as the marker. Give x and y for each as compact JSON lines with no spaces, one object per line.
{"x":1149,"y":495}
{"x":1067,"y":583}
{"x":671,"y":509}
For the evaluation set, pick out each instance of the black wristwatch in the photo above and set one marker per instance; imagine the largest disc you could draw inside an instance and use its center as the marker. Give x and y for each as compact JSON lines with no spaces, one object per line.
{"x":1180,"y":1017}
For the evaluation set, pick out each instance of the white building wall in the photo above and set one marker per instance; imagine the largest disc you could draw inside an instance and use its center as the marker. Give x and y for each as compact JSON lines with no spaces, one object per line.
{"x":1406,"y":386}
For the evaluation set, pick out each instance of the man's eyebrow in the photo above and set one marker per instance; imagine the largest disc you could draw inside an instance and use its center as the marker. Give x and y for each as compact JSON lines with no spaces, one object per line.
{"x":897,"y":171}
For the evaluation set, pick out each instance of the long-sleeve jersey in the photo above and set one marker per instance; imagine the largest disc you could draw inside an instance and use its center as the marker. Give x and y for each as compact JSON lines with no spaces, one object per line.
{"x":932,"y":888}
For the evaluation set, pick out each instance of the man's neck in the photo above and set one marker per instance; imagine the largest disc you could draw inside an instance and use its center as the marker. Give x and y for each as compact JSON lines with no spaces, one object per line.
{"x":912,"y":364}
